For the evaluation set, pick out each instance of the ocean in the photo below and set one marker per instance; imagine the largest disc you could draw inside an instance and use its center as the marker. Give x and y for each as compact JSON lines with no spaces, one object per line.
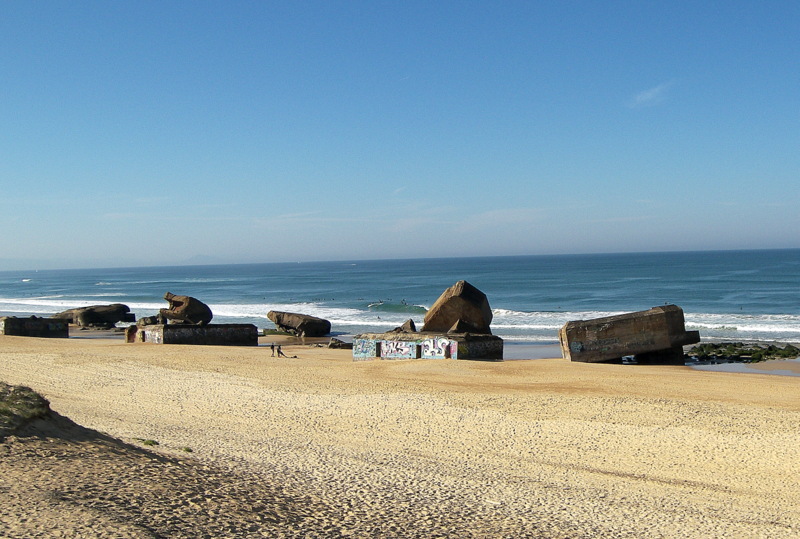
{"x":726,"y":295}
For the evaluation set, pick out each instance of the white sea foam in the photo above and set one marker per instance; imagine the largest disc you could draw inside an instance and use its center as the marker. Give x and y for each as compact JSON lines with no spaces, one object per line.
{"x":504,"y":318}
{"x":538,"y":326}
{"x":766,"y":323}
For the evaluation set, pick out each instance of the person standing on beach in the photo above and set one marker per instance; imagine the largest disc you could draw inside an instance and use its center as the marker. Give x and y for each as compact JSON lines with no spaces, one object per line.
{"x":280,"y":352}
{"x":272,"y":347}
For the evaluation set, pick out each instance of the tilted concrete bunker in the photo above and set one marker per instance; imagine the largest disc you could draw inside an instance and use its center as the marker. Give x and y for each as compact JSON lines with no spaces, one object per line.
{"x":102,"y":316}
{"x":302,"y":325}
{"x":653,"y":336}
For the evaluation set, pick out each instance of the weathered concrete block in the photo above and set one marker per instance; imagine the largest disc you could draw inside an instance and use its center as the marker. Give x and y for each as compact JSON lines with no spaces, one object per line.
{"x":303,"y":325}
{"x":395,"y":345}
{"x":408,"y":327}
{"x":34,"y":327}
{"x":462,"y":306}
{"x":654,"y":335}
{"x":186,"y":309}
{"x":97,"y":315}
{"x":339,"y":344}
{"x":210,"y":334}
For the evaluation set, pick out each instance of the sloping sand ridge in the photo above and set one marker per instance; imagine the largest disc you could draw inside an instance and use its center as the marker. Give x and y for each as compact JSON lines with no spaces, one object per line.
{"x":324,"y":446}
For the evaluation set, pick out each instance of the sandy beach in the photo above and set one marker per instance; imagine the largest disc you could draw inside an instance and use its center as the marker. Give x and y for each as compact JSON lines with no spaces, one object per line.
{"x":250,"y":445}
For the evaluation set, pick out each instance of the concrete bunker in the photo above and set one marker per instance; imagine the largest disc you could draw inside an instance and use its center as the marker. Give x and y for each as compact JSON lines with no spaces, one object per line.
{"x":186,"y":321}
{"x":456,"y":327}
{"x":655,"y":336}
{"x":34,"y":326}
{"x":209,"y":334}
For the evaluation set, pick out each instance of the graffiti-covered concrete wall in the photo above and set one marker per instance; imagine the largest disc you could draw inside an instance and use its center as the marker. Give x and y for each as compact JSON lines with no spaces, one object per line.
{"x":439,"y":348}
{"x":365,"y":349}
{"x":399,"y":349}
{"x":426,"y":346}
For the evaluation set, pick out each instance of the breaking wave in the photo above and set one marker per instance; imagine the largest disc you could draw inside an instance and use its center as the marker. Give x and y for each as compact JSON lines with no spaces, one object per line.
{"x":534,"y":326}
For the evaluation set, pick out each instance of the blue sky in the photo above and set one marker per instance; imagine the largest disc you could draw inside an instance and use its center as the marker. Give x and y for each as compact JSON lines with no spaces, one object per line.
{"x":150,"y":133}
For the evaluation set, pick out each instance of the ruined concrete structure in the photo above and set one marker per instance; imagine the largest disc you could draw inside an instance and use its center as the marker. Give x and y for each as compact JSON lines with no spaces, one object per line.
{"x":186,"y":310}
{"x":653,"y":336}
{"x":456,"y":327}
{"x":186,"y":321}
{"x":34,"y":327}
{"x":339,"y":344}
{"x":302,"y":325}
{"x":396,"y":345}
{"x":408,"y":326}
{"x":104,"y":316}
{"x":209,"y":334}
{"x":462,"y":308}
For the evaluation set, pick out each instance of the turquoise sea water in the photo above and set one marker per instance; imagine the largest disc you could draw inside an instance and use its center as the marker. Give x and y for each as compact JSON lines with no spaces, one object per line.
{"x":727,"y":295}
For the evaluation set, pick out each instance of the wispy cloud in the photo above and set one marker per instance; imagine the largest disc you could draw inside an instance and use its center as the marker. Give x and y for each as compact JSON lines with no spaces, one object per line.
{"x":167,"y":217}
{"x":651,"y":96}
{"x":307,"y":219}
{"x":620,"y":219}
{"x":511,"y":216}
{"x":302,"y":216}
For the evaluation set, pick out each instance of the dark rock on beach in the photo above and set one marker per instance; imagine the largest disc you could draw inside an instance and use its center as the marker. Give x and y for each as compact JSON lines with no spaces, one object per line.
{"x":744,"y":352}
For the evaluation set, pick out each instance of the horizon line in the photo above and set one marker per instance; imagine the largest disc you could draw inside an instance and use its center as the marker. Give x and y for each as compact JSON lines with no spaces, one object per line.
{"x":355,"y":260}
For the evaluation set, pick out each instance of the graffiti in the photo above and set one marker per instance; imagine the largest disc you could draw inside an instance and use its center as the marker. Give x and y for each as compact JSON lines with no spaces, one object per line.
{"x":364,"y":348}
{"x":437,"y":348}
{"x":434,"y":347}
{"x":398,"y":349}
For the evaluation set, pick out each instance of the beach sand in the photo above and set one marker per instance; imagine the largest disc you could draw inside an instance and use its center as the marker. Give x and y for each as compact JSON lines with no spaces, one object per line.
{"x":321,"y":446}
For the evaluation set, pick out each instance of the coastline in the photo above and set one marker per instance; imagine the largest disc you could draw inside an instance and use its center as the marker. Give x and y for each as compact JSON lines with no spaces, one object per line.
{"x":405,"y":448}
{"x":512,"y":351}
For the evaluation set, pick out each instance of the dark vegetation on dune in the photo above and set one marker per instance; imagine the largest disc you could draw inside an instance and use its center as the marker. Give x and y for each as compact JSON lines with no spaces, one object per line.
{"x":19,"y":405}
